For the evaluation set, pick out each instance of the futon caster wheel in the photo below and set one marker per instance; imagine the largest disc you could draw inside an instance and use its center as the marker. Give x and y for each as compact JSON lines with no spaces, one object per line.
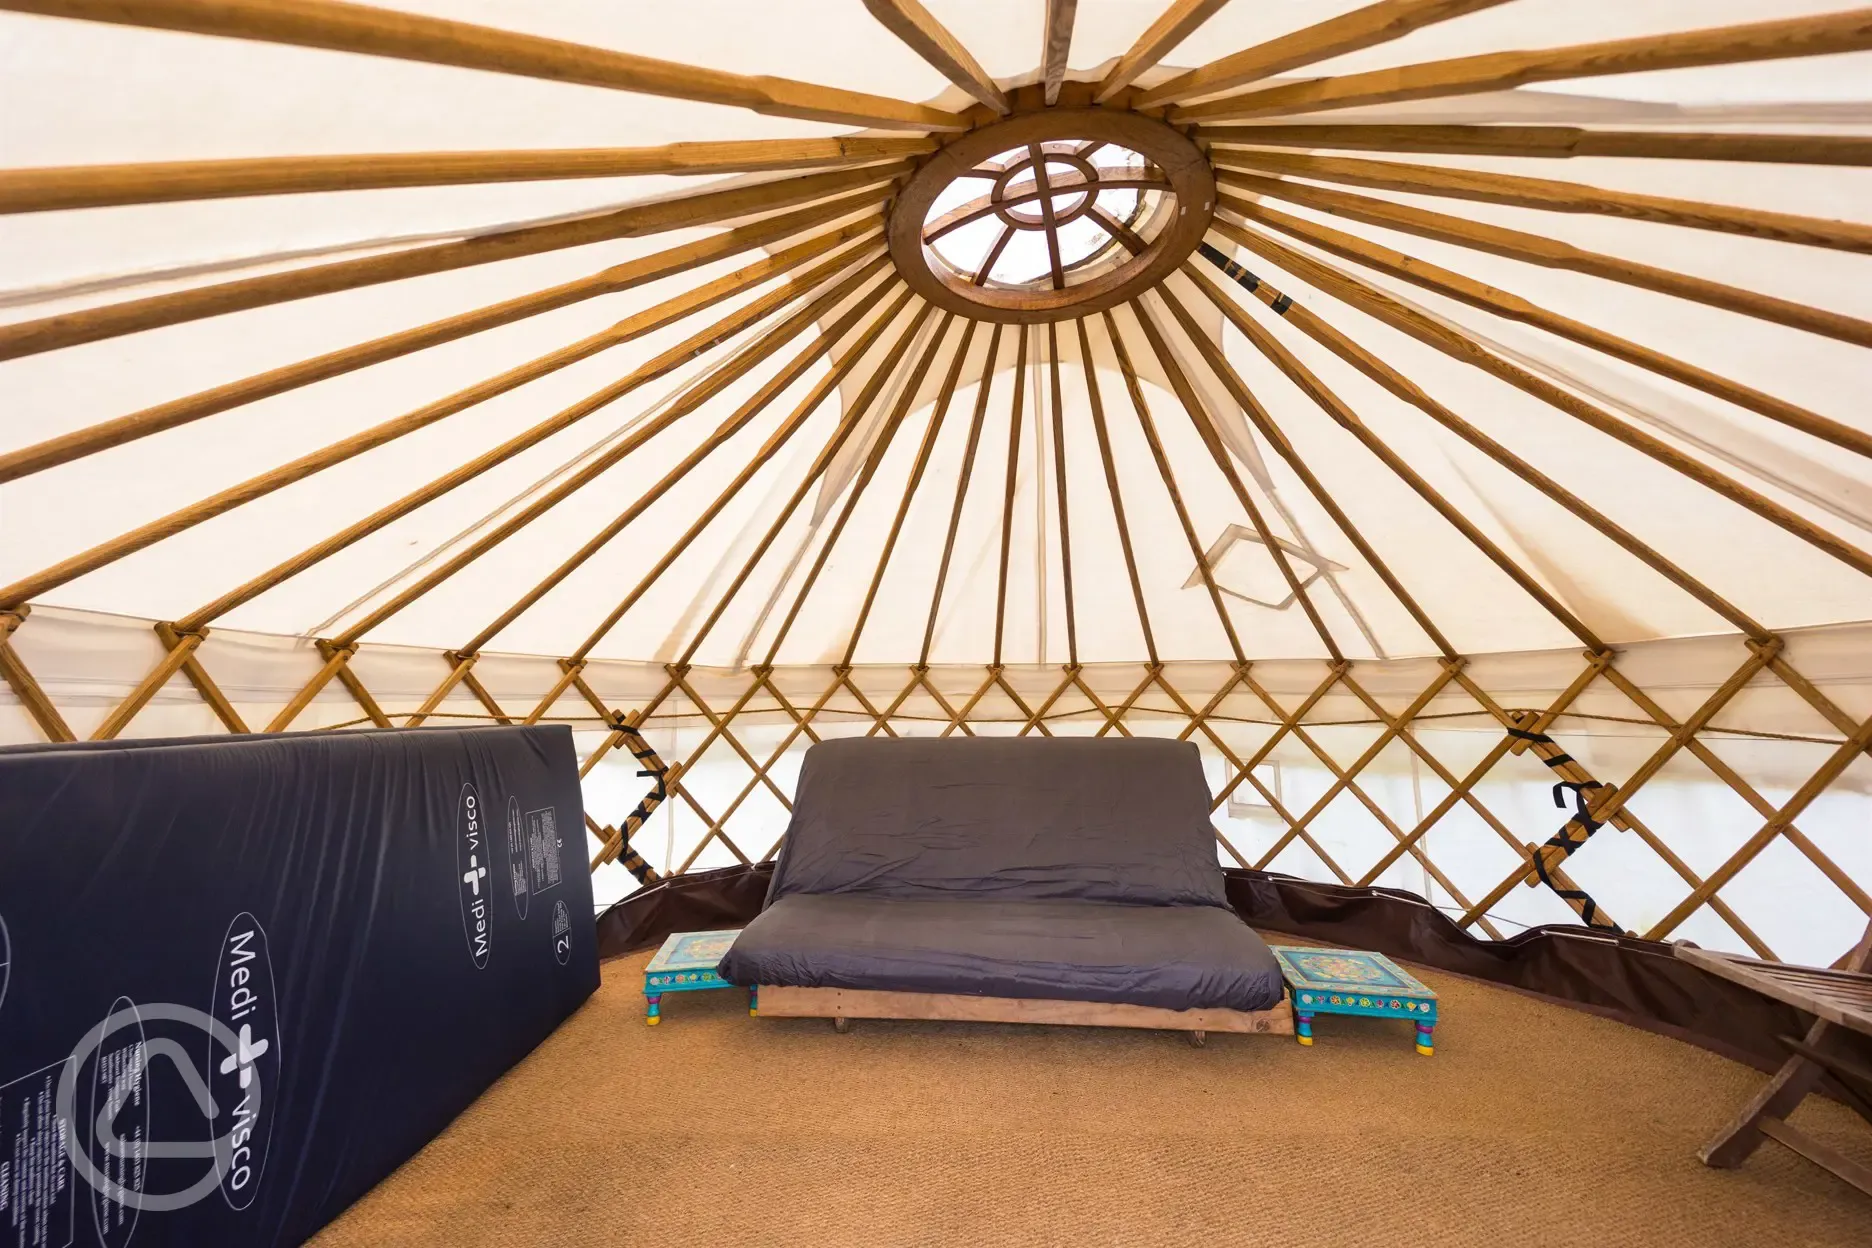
{"x":841,"y":1025}
{"x":1198,"y":1039}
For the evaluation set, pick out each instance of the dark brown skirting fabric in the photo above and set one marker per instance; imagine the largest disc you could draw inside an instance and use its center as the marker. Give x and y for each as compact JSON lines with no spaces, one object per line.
{"x":1634,"y":981}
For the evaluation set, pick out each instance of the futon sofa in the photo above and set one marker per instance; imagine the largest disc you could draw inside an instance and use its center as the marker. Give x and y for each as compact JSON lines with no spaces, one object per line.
{"x":1025,"y":871}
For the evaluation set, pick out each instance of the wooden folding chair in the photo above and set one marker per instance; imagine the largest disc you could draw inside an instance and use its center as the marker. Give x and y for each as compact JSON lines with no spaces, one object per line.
{"x":1839,"y":997}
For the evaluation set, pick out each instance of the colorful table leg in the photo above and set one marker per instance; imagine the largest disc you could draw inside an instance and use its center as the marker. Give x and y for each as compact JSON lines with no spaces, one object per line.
{"x":753,"y":1001}
{"x":1303,"y":1027}
{"x":654,"y":1009}
{"x":1425,"y":1045}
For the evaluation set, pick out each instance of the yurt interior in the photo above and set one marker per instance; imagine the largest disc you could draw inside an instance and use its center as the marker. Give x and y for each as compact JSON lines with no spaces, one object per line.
{"x":935,"y":622}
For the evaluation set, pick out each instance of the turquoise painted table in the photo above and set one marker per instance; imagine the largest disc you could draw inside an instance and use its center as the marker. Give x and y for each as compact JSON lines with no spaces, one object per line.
{"x":686,"y":963}
{"x":1340,"y":981}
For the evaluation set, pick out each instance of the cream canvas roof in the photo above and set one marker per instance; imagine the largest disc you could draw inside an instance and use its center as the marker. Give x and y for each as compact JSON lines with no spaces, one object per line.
{"x":89,"y":92}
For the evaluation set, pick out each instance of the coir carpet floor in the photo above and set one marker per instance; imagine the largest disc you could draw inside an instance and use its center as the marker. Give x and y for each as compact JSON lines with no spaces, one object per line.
{"x":1533,"y":1125}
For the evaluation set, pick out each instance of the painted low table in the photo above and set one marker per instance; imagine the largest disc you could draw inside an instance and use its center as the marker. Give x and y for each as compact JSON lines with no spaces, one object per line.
{"x":1340,"y":981}
{"x":686,"y":963}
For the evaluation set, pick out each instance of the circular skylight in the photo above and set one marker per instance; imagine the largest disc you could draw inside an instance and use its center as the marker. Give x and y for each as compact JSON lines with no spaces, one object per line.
{"x":1047,"y":216}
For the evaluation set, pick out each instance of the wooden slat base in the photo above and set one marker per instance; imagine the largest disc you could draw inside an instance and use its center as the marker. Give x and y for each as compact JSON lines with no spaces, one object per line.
{"x":842,"y":1003}
{"x":1823,"y":1155}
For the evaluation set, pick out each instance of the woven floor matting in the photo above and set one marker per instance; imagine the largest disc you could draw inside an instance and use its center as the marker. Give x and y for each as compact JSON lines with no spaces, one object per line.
{"x":1533,"y":1125}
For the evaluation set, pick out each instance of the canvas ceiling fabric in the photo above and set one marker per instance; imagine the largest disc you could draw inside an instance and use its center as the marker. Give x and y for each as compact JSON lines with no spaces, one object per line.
{"x":100,"y":93}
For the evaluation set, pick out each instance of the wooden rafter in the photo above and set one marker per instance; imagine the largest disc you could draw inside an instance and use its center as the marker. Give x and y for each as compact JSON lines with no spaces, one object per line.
{"x":1549,"y":195}
{"x":848,"y":421}
{"x":691,"y":399}
{"x":131,"y":316}
{"x":1459,"y":346}
{"x":1060,"y":492}
{"x":1820,"y":34}
{"x":1056,"y":46}
{"x":982,"y":391}
{"x":937,"y":416}
{"x":771,"y":389}
{"x":886,"y":434}
{"x":1552,"y":142}
{"x":1343,"y":415}
{"x":96,"y":186}
{"x":377,"y":435}
{"x":1100,"y":431}
{"x":764,"y":455}
{"x":1320,"y":330}
{"x":1177,"y":23}
{"x":926,"y":36}
{"x":667,"y":313}
{"x":1217,"y":360}
{"x":1149,"y":428}
{"x":1491,"y":299}
{"x":1007,"y":498}
{"x":1362,"y":28}
{"x":150,"y":420}
{"x":414,"y":37}
{"x":1198,"y":413}
{"x":1550,"y":253}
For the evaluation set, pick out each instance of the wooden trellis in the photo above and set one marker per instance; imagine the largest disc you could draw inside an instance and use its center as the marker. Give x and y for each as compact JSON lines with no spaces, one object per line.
{"x":826,"y":300}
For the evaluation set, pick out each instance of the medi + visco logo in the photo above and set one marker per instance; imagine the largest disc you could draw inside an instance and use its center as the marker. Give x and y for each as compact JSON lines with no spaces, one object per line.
{"x":243,"y":1004}
{"x":472,"y":859}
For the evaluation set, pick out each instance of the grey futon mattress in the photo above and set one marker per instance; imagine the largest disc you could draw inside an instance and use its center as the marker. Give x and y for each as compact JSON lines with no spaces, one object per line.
{"x":1174,"y":957}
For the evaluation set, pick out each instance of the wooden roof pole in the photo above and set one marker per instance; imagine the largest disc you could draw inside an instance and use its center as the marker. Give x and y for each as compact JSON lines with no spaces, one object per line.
{"x":1055,"y":46}
{"x":70,"y":329}
{"x":116,"y":432}
{"x":1362,"y":28}
{"x":1160,"y":38}
{"x":937,"y":415}
{"x":1490,"y":299}
{"x":1550,"y":195}
{"x":848,"y":423}
{"x":926,"y":36}
{"x":1238,"y":389}
{"x":337,"y":452}
{"x":1459,"y":346}
{"x":1816,"y":35}
{"x":1013,"y":478}
{"x":1205,"y":429}
{"x":373,"y":31}
{"x":825,"y":386}
{"x":95,"y":186}
{"x":1550,"y":253}
{"x":1323,"y":332}
{"x":759,"y":401}
{"x":1149,"y":428}
{"x":1059,"y":476}
{"x":1559,"y":142}
{"x":660,"y":366}
{"x":962,"y":484}
{"x":1343,"y":416}
{"x":901,"y":409}
{"x":692,"y":398}
{"x":1103,"y":434}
